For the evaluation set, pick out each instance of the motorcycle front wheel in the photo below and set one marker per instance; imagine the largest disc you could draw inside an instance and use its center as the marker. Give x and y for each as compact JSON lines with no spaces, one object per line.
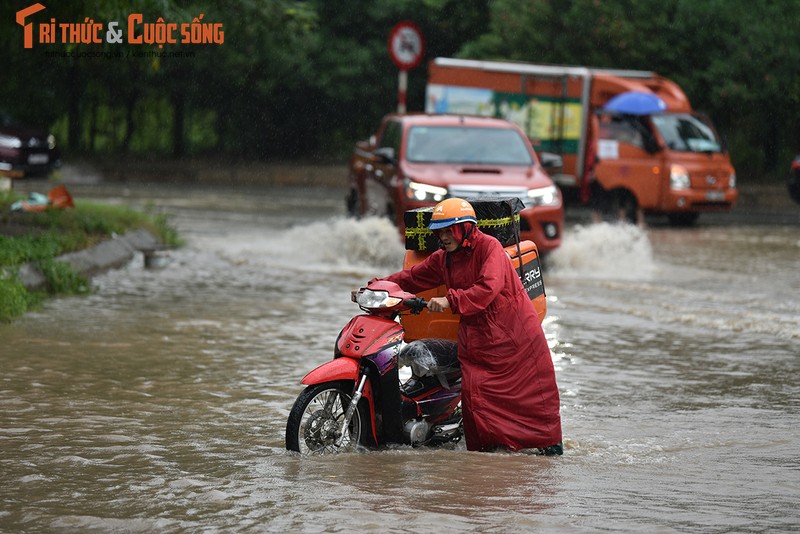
{"x":315,"y":421}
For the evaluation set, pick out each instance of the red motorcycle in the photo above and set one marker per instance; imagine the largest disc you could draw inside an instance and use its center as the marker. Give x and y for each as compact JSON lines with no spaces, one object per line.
{"x":358,"y":399}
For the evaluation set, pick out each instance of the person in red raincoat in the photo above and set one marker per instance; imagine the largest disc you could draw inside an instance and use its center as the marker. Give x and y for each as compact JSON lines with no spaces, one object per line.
{"x":509,"y":393}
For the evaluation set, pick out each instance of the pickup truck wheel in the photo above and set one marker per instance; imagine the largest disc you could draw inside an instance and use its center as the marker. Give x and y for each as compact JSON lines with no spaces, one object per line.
{"x":351,"y":204}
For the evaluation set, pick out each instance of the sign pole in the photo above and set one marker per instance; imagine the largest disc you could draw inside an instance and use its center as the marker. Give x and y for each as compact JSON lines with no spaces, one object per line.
{"x":402,"y":88}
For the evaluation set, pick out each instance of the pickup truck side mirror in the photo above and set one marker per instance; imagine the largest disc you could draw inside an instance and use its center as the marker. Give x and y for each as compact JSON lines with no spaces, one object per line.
{"x":385,"y":154}
{"x":550,"y":161}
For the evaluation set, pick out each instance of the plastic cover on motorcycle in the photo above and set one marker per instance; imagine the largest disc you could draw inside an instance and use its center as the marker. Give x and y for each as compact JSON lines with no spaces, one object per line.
{"x":432,"y":357}
{"x":497,"y":217}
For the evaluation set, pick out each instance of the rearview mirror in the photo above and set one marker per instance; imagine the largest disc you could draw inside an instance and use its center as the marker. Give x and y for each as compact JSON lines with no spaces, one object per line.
{"x":385,"y":155}
{"x":551,"y":161}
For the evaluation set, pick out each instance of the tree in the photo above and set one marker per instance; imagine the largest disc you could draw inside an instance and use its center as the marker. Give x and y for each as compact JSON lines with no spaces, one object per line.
{"x":742,"y":70}
{"x":305,"y":79}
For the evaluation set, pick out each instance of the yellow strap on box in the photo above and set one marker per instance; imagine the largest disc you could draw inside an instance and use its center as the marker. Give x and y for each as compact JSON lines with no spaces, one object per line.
{"x":420,"y":232}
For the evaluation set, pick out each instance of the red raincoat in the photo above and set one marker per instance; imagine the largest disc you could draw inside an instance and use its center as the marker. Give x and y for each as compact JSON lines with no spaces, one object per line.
{"x":509,"y":393}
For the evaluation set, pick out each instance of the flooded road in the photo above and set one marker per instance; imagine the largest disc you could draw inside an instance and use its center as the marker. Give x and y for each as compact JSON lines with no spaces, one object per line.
{"x":159,"y":402}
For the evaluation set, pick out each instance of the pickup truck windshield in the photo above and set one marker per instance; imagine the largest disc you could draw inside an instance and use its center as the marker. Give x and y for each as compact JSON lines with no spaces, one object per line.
{"x":686,"y":133}
{"x":460,"y":144}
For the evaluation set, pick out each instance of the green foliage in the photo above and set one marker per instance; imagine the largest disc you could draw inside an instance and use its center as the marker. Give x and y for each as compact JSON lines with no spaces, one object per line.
{"x":742,"y":70}
{"x":62,"y":279}
{"x":304,"y":79}
{"x":22,"y":249}
{"x":53,"y":232}
{"x":292,"y":79}
{"x":15,"y":300}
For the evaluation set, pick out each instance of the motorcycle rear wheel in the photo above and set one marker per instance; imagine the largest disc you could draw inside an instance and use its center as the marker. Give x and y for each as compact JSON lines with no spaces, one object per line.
{"x":315,"y":420}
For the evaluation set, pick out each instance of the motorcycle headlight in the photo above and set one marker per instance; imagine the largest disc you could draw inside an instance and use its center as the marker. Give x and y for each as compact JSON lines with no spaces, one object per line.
{"x":9,"y":141}
{"x":679,"y":177}
{"x":377,"y":299}
{"x":544,"y":196}
{"x":425,"y":192}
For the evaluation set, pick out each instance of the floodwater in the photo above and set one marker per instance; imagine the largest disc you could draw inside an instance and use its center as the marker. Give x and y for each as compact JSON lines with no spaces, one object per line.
{"x":158,"y":403}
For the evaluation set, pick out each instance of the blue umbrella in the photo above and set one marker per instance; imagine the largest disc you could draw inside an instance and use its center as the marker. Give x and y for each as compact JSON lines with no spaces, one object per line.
{"x":635,"y":103}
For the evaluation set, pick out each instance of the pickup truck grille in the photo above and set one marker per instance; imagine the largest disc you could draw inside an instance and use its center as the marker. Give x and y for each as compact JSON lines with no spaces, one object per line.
{"x":468,"y":192}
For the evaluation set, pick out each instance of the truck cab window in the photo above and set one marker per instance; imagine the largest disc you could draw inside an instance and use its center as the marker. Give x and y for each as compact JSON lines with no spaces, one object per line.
{"x":621,"y":128}
{"x":686,"y":133}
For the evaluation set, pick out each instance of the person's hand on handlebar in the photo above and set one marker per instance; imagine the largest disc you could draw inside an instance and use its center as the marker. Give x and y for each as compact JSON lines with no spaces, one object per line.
{"x":438,"y":304}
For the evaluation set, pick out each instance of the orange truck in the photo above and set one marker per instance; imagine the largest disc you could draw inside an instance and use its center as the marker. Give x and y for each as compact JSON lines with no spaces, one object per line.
{"x":666,"y":160}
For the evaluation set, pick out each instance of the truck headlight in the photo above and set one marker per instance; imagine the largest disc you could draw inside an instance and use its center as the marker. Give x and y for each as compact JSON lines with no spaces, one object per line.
{"x":679,"y":177}
{"x":544,"y":196}
{"x":425,"y":192}
{"x":9,"y":141}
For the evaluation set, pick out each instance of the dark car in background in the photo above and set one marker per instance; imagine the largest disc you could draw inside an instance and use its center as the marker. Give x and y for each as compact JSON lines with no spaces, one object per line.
{"x":794,"y":180}
{"x":26,"y":150}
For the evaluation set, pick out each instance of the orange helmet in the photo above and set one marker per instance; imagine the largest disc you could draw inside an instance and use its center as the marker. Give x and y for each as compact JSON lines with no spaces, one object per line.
{"x":451,"y":211}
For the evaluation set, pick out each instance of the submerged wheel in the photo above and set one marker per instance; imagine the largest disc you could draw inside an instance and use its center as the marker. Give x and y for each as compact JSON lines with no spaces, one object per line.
{"x":624,"y":206}
{"x":316,"y":418}
{"x":352,"y":203}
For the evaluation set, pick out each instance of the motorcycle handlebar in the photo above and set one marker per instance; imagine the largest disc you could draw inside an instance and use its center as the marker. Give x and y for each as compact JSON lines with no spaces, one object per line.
{"x":416,"y":305}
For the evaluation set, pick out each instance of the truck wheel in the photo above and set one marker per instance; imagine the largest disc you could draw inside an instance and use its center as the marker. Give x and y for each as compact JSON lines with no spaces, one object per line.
{"x":351,"y":204}
{"x":683,"y":219}
{"x":621,"y":207}
{"x":628,"y":208}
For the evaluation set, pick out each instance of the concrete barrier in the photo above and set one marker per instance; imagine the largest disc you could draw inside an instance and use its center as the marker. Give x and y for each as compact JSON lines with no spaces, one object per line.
{"x":109,"y":254}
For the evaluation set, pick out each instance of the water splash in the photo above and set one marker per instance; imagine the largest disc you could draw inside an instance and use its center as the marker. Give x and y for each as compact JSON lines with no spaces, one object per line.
{"x":366,"y":243}
{"x":604,"y":251}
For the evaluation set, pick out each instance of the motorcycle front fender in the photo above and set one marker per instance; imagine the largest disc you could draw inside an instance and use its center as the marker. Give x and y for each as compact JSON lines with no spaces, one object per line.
{"x":338,"y":369}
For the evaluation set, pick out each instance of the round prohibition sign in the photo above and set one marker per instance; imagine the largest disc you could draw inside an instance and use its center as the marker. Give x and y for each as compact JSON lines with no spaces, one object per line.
{"x":406,"y":45}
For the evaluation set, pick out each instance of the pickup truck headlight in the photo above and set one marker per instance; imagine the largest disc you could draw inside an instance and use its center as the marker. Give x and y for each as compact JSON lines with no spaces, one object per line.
{"x":425,"y":192}
{"x":544,"y":196}
{"x":679,"y":177}
{"x":9,"y":141}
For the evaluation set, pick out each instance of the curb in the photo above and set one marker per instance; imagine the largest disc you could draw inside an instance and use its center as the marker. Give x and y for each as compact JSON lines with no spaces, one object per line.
{"x":109,"y":254}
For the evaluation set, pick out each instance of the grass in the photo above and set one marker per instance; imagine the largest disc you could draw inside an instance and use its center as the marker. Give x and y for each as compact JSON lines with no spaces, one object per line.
{"x":40,"y":237}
